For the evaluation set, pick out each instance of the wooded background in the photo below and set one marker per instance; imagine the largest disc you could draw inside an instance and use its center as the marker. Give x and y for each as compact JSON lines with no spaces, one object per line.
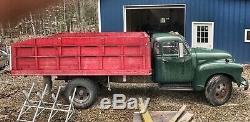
{"x":64,"y":16}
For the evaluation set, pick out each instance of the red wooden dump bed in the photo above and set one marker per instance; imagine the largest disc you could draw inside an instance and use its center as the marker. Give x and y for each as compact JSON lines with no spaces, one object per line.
{"x":83,"y":54}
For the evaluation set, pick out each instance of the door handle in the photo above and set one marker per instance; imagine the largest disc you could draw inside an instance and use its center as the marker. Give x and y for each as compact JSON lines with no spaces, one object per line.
{"x":164,"y":60}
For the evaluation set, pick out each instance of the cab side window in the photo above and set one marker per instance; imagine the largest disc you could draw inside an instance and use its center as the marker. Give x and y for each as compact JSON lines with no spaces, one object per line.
{"x":170,"y":48}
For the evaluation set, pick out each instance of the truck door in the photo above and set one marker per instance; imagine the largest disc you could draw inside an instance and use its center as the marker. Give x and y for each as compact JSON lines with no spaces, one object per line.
{"x":172,"y":67}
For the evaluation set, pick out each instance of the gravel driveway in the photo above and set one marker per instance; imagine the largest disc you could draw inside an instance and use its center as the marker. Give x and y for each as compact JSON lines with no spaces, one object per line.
{"x":237,"y":109}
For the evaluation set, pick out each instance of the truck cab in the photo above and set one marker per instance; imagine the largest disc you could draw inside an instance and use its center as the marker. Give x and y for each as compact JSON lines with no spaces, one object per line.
{"x":171,"y":57}
{"x":176,"y":66}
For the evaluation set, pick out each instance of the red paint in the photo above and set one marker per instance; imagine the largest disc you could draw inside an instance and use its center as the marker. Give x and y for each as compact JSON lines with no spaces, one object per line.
{"x":83,"y":54}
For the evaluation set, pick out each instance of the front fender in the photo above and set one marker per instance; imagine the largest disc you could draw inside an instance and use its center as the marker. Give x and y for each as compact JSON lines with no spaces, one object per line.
{"x":205,"y":71}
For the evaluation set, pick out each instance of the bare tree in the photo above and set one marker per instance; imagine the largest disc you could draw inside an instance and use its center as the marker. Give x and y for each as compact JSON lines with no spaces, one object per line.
{"x":69,"y":15}
{"x":64,"y":15}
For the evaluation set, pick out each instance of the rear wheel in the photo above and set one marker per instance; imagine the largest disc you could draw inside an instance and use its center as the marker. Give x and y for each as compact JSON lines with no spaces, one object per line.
{"x":86,"y":92}
{"x":218,"y":90}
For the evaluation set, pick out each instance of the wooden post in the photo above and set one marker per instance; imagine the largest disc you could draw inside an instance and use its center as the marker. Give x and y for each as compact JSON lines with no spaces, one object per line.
{"x":178,"y":114}
{"x":144,"y":112}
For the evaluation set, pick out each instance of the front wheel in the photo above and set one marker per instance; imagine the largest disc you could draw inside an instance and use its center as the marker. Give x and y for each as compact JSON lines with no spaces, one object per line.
{"x":86,"y":92}
{"x":218,"y":90}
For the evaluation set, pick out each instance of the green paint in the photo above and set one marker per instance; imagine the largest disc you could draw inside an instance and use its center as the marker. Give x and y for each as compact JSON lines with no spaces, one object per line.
{"x":196,"y":67}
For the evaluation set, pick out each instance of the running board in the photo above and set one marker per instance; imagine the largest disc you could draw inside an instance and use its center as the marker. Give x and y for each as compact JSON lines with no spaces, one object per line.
{"x":176,"y":87}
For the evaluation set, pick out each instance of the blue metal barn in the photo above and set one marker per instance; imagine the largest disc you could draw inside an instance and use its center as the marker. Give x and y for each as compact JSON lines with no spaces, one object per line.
{"x":221,"y":24}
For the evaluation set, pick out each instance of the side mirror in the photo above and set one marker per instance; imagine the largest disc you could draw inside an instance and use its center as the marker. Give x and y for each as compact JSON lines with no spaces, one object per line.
{"x":181,"y":50}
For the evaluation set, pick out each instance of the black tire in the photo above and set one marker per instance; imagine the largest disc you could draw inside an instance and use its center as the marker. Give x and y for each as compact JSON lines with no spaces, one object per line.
{"x":86,"y":92}
{"x":218,"y":90}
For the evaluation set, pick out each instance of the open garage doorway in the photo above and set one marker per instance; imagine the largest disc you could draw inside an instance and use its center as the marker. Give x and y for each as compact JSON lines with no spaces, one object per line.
{"x":154,"y":19}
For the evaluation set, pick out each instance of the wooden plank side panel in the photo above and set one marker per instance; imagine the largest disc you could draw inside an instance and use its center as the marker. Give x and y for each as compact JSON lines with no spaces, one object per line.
{"x":47,"y":63}
{"x":25,"y":51}
{"x":25,"y":64}
{"x":102,"y":55}
{"x":133,"y":63}
{"x":83,"y":41}
{"x":114,"y":41}
{"x":47,"y":42}
{"x":47,"y":51}
{"x":69,"y":63}
{"x":91,"y":63}
{"x":134,"y":41}
{"x":91,"y":51}
{"x":112,"y":51}
{"x":69,"y":51}
{"x":112,"y":63}
{"x":133,"y":50}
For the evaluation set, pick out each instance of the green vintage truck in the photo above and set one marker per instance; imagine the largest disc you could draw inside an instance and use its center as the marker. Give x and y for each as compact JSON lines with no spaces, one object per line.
{"x":88,"y":61}
{"x":179,"y":67}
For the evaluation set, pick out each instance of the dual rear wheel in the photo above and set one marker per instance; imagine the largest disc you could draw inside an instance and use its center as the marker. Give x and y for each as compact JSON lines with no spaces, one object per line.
{"x":85,"y":94}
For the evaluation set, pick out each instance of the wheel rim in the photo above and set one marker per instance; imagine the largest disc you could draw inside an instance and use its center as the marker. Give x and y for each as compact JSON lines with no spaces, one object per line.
{"x":222,"y":91}
{"x":82,"y":94}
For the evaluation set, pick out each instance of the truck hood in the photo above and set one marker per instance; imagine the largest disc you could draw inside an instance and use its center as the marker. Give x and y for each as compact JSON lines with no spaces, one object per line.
{"x":210,"y":54}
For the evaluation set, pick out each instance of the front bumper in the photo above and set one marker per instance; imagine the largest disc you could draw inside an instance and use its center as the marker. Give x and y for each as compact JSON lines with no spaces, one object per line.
{"x":244,"y":83}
